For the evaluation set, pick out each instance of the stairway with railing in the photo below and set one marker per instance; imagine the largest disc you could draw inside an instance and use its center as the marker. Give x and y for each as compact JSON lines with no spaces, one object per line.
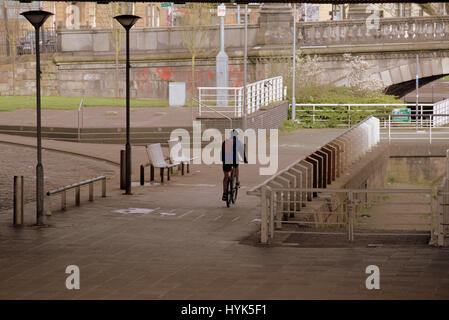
{"x":230,"y":100}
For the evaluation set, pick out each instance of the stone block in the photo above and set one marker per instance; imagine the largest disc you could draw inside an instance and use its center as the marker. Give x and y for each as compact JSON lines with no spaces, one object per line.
{"x":101,"y":42}
{"x":150,"y":39}
{"x":386,"y":78}
{"x":405,"y":72}
{"x":436,"y":66}
{"x":76,"y":41}
{"x":445,"y":65}
{"x":396,"y":75}
{"x":425,"y":68}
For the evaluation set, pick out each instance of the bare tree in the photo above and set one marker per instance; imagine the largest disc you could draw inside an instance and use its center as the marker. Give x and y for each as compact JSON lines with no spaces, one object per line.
{"x":196,"y":35}
{"x":116,"y":31}
{"x":11,"y":30}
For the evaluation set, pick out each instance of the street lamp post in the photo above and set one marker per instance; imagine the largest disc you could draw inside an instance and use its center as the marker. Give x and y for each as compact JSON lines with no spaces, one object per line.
{"x":37,"y":19}
{"x":127,"y":21}
{"x":294,"y":65}
{"x":245,"y":67}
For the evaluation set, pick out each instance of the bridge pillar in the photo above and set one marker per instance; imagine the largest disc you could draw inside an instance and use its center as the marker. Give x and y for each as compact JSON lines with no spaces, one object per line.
{"x":276,"y":24}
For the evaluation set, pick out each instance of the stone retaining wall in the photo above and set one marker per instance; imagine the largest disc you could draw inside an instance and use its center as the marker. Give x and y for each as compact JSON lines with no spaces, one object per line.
{"x":24,"y":83}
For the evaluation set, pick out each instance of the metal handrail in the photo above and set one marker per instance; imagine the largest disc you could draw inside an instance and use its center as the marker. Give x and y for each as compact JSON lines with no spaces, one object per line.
{"x":74,"y":185}
{"x":254,"y":190}
{"x":218,"y":112}
{"x":80,"y":109}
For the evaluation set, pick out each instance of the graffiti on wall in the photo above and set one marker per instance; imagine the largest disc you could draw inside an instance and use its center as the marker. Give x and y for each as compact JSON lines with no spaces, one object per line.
{"x":203,"y":76}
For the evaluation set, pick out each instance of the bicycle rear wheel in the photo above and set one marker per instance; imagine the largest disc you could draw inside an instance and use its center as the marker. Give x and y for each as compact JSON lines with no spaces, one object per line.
{"x":229,"y":192}
{"x":233,"y":189}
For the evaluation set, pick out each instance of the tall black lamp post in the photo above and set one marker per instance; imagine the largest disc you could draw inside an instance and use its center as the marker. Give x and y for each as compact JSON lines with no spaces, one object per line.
{"x":127,"y":21}
{"x":37,"y":19}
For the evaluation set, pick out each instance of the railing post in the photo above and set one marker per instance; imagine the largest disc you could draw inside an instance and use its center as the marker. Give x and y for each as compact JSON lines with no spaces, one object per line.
{"x":199,"y":101}
{"x":151,"y":172}
{"x":63,"y":200}
{"x":349,"y":115}
{"x":78,"y":196}
{"x":441,"y":198}
{"x":313,"y":113}
{"x":271,"y":215}
{"x":235,"y":101}
{"x":430,"y":130}
{"x":264,"y":216}
{"x":122,"y":169}
{"x":142,"y":175}
{"x":18,"y":200}
{"x":389,"y":128}
{"x":350,"y":217}
{"x":91,"y":191}
{"x":103,"y":188}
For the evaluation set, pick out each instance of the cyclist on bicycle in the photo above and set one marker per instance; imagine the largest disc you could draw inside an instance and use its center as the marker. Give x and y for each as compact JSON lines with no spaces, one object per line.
{"x":231,"y":148}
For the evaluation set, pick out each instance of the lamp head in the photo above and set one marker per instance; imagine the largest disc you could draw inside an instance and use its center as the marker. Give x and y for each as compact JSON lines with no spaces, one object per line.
{"x":127,"y":20}
{"x":36,"y":17}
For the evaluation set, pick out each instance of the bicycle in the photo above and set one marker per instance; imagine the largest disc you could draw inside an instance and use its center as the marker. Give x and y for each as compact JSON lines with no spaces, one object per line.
{"x":231,"y":189}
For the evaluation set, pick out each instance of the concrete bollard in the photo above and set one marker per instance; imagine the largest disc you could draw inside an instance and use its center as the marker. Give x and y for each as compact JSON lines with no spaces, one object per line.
{"x":142,"y":175}
{"x":18,"y":200}
{"x":122,"y":169}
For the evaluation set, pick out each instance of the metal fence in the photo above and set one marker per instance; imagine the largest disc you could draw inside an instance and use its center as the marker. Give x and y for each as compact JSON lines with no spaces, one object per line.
{"x":349,"y":114}
{"x":350,"y":212}
{"x":443,"y":208}
{"x":229,"y":100}
{"x":24,"y":41}
{"x":422,"y":127}
{"x":322,"y":166}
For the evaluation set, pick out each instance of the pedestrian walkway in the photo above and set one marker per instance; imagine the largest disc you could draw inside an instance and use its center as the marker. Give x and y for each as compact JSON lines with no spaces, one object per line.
{"x":102,"y":117}
{"x":179,"y":241}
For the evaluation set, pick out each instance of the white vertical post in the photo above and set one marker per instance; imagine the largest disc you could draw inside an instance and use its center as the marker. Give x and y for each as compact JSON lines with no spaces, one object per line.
{"x":417,"y":91}
{"x":430,"y":129}
{"x":264,"y":216}
{"x":199,"y":100}
{"x":294,"y":64}
{"x":245,"y":59}
{"x":389,"y":128}
{"x":447,"y":164}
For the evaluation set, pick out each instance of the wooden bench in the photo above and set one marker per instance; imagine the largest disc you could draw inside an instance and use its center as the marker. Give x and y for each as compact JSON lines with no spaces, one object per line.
{"x":177,"y":155}
{"x":156,"y":160}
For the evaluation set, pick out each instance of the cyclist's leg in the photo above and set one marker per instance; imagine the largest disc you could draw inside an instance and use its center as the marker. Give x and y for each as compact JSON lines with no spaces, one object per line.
{"x":225,"y":181}
{"x":236,"y":168}
{"x":226,"y":169}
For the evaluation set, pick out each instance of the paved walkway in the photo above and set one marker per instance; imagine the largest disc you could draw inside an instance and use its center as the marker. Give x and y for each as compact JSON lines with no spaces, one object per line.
{"x":102,"y":117}
{"x":186,"y":244}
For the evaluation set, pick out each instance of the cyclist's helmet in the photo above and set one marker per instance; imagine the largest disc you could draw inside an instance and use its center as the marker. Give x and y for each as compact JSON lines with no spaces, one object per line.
{"x":234,"y":133}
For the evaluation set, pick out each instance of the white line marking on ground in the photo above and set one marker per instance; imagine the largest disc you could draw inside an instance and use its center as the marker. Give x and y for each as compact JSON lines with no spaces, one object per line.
{"x":235,"y":219}
{"x":194,"y":185}
{"x":188,"y":212}
{"x":218,"y":217}
{"x":199,"y":217}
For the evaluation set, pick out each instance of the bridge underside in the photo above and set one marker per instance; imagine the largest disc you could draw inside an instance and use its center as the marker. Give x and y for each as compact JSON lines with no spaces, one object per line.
{"x":401,"y":89}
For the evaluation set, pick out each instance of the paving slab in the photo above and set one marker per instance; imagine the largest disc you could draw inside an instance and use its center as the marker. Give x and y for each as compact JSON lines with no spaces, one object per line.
{"x":203,"y":251}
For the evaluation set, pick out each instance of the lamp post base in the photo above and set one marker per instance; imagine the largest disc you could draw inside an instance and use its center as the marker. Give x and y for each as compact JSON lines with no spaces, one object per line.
{"x":39,"y":194}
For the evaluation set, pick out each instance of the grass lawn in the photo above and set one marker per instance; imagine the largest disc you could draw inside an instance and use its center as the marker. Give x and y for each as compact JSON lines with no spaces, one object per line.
{"x":9,"y":103}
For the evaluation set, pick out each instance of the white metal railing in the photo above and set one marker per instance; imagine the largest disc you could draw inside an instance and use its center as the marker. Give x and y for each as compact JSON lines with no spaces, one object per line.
{"x":230,"y":99}
{"x":441,"y":107}
{"x":316,"y":112}
{"x":421,"y":128}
